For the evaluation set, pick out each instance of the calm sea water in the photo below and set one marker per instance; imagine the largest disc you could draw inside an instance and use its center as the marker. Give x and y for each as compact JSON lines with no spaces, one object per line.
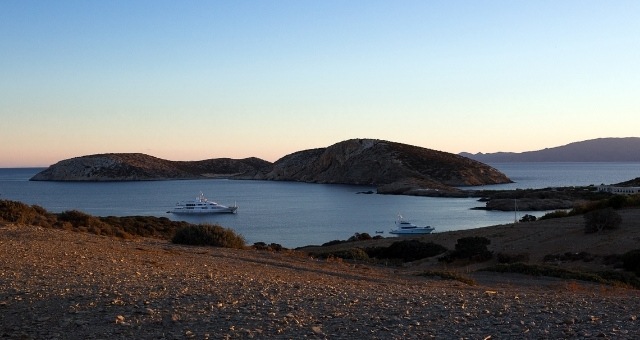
{"x":298,"y":214}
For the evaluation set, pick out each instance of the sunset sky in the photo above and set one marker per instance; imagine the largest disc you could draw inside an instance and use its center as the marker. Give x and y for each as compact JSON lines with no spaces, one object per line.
{"x":192,"y":80}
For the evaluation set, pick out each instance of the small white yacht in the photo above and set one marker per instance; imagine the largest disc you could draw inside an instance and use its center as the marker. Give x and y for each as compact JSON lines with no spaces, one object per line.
{"x":408,"y":228}
{"x":201,"y":205}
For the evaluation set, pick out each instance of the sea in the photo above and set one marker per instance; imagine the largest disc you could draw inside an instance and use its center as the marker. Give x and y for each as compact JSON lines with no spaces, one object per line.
{"x":296,"y":214}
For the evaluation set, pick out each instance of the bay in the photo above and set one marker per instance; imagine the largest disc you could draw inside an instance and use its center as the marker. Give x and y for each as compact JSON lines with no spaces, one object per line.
{"x":297,"y":214}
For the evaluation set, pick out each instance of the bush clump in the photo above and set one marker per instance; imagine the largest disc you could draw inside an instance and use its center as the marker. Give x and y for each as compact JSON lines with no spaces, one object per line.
{"x":356,"y":254}
{"x":268,"y":247}
{"x":512,"y":258}
{"x":18,"y":212}
{"x":73,"y":220}
{"x":555,"y":214}
{"x":601,"y":219}
{"x":471,"y":248}
{"x":631,"y":261}
{"x":528,"y":218}
{"x":359,"y":237}
{"x":80,"y":221}
{"x":208,"y":235}
{"x":407,"y":250}
{"x":333,"y":243}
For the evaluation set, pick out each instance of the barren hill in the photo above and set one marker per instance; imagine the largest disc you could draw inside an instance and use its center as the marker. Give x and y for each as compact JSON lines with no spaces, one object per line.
{"x":392,"y":167}
{"x":141,"y":167}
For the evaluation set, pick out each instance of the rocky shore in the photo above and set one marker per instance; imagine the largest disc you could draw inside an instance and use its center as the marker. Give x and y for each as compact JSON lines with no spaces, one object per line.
{"x":58,"y":284}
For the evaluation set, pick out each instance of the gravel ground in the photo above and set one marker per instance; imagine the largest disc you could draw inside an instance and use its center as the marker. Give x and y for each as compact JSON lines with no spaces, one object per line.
{"x":62,"y":285}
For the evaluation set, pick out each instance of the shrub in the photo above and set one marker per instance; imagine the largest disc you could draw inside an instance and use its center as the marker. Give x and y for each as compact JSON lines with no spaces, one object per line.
{"x":260,"y":246}
{"x":359,"y":237}
{"x":528,"y":218}
{"x":408,"y":250}
{"x":632,"y":200}
{"x":631,"y":261}
{"x":208,"y":235}
{"x":470,"y":247}
{"x":18,"y":212}
{"x":617,"y":201}
{"x":84,"y":222}
{"x":333,"y":243}
{"x":555,"y":214}
{"x":269,"y":247}
{"x":512,"y":258}
{"x":276,"y":247}
{"x":350,"y":254}
{"x":598,"y":220}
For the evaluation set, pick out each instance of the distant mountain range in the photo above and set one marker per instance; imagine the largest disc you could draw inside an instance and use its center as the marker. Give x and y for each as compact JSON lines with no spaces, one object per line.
{"x":594,"y":150}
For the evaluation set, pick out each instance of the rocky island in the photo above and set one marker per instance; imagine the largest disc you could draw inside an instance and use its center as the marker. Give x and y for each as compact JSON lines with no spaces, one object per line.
{"x":393,"y":168}
{"x":141,"y":167}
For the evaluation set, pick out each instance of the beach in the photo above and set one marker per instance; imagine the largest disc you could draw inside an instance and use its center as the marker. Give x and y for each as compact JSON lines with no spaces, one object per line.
{"x":57,"y":284}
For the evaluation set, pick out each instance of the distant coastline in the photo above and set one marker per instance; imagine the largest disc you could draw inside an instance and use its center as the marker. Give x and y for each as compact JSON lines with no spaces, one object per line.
{"x":594,"y":150}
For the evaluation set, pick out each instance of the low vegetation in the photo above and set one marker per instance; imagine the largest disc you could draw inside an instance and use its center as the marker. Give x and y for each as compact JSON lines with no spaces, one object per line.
{"x":407,"y":250}
{"x":268,"y":247}
{"x":122,"y":227}
{"x":398,"y":252}
{"x":601,"y":219}
{"x":355,"y":238}
{"x":528,"y":218}
{"x":605,"y":277}
{"x":631,"y":261}
{"x":609,"y":201}
{"x":470,"y":249}
{"x":208,"y":235}
{"x":512,"y":258}
{"x":448,"y":275}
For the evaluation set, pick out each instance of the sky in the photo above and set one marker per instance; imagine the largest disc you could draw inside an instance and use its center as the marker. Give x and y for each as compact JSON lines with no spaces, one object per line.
{"x":193,"y":80}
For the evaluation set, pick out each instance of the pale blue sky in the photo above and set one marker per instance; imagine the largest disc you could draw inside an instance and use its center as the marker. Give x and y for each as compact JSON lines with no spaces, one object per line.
{"x":191,"y":80}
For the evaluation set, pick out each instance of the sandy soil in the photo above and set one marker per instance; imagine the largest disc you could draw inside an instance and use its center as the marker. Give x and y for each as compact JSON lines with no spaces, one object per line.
{"x":56,"y":284}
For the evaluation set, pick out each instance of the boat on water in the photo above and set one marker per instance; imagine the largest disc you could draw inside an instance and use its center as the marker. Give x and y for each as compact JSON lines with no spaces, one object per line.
{"x":201,"y":205}
{"x":408,"y":228}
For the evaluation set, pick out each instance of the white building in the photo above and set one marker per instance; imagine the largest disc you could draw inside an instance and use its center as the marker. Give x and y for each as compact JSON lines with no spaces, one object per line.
{"x":619,"y":190}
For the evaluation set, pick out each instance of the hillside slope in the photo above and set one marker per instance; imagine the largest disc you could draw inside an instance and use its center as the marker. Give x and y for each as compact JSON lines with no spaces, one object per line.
{"x":393,"y":168}
{"x":594,"y":150}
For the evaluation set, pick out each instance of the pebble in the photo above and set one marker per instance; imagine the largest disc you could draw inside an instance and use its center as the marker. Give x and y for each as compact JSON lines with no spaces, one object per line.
{"x":167,"y":291}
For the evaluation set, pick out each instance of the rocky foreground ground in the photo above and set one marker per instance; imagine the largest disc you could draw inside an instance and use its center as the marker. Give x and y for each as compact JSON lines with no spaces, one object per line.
{"x":62,"y":285}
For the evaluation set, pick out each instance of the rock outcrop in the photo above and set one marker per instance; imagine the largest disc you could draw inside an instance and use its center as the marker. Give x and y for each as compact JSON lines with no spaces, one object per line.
{"x":141,"y":167}
{"x":394,"y":168}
